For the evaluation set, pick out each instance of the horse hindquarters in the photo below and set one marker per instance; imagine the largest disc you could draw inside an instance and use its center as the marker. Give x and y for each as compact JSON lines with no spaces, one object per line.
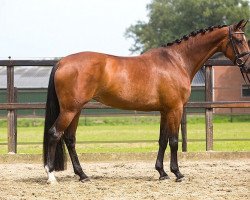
{"x":56,"y":122}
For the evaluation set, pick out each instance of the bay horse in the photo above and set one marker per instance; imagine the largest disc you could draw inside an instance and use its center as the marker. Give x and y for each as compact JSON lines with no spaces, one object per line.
{"x":157,"y":80}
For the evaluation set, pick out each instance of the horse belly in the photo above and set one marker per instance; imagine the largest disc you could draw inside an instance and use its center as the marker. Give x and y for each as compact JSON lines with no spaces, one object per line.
{"x":130,"y":100}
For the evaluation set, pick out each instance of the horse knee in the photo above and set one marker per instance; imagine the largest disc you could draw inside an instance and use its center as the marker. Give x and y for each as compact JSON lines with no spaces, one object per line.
{"x":173,"y":142}
{"x":70,"y":142}
{"x":163,"y":142}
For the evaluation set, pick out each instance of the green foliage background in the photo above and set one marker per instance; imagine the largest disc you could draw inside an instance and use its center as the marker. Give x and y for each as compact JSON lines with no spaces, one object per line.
{"x":170,"y":19}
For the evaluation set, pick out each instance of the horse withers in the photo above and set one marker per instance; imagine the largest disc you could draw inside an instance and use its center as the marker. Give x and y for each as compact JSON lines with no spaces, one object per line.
{"x":158,"y":80}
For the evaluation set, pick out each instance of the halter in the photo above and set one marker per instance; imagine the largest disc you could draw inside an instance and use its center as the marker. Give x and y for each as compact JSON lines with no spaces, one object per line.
{"x":239,"y":56}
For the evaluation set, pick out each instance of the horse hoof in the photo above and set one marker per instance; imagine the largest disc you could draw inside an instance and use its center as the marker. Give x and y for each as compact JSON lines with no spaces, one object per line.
{"x":164,"y":177}
{"x":52,"y":182}
{"x":180,"y":179}
{"x":85,"y":180}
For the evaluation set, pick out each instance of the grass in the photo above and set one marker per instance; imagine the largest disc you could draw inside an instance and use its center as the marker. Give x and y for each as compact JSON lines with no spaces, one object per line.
{"x":100,"y":134}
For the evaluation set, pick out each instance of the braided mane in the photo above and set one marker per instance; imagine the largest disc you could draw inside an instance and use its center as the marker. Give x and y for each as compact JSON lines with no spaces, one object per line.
{"x":193,"y":34}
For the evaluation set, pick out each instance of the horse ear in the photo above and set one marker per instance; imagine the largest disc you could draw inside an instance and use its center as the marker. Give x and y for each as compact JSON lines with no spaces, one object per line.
{"x":238,"y":26}
{"x":244,"y":25}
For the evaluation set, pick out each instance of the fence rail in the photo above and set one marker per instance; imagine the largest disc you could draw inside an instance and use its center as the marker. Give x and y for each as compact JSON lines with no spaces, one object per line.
{"x":49,"y":63}
{"x":97,"y":105}
{"x":11,"y":106}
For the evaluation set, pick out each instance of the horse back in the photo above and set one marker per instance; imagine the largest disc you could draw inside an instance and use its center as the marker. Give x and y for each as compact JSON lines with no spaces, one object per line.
{"x":136,"y":83}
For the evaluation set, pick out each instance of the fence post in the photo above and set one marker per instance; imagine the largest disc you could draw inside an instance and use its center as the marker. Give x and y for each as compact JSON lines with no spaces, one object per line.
{"x":11,"y":116}
{"x":209,"y":111}
{"x":184,"y":130}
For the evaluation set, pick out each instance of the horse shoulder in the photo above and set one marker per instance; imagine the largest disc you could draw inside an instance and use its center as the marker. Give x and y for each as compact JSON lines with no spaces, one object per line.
{"x":174,"y":87}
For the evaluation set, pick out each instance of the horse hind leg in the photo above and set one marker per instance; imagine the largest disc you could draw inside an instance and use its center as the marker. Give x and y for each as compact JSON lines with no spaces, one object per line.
{"x":70,"y":141}
{"x":55,"y":153}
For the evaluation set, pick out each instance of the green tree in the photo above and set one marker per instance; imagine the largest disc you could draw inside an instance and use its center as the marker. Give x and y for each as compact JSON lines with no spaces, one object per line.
{"x":170,"y":19}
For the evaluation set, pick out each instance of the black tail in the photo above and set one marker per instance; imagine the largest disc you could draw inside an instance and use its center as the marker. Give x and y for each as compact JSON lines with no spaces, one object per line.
{"x":52,"y":112}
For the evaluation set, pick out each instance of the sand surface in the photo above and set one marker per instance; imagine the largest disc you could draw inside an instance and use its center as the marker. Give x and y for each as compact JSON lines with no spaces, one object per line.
{"x":205,"y":179}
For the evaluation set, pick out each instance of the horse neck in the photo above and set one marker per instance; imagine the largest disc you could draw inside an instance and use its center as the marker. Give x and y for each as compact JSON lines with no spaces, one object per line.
{"x":196,"y":50}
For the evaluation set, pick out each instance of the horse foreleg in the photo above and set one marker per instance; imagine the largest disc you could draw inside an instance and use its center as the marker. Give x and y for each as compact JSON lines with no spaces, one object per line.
{"x":174,"y":119}
{"x":70,"y":141}
{"x":173,"y":143}
{"x":163,"y":141}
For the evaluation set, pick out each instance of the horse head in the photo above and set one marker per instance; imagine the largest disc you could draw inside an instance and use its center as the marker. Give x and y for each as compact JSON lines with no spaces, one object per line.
{"x":236,"y":46}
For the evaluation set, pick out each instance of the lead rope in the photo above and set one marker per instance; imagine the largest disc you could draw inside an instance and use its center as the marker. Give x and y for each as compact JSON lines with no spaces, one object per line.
{"x":248,"y":80}
{"x":245,"y":78}
{"x":242,"y":73}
